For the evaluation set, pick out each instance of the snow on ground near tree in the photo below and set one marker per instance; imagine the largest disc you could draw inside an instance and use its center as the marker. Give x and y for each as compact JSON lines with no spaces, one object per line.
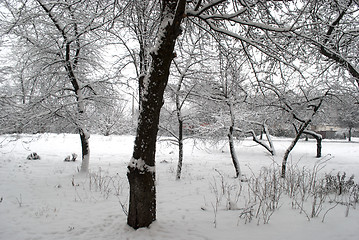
{"x":48,"y":199}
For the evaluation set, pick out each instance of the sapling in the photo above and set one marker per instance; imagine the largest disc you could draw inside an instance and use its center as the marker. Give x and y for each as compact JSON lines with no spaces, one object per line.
{"x":19,"y":200}
{"x":319,"y":198}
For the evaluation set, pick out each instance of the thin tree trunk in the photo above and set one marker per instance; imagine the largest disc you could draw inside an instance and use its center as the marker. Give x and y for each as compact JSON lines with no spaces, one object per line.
{"x":233,"y":152}
{"x":180,"y":149}
{"x":141,"y":169}
{"x":302,"y":128}
{"x":179,"y":105}
{"x":319,"y":147}
{"x":81,"y":119}
{"x":270,"y":142}
{"x":292,"y":145}
{"x":231,"y":140}
{"x":71,"y":60}
{"x":350,"y":134}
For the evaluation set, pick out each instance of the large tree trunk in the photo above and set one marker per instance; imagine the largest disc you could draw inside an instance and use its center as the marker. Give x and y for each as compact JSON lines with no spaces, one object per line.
{"x":141,"y":169}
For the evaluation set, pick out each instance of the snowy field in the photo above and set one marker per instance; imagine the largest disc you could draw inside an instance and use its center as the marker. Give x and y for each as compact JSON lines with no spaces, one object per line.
{"x":47,"y":198}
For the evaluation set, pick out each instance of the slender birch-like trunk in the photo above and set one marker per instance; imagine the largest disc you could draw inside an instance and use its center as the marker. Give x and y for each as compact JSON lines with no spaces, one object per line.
{"x":231,"y":142}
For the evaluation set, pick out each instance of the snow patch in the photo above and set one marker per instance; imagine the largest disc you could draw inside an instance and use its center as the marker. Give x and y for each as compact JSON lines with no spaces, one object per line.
{"x":168,"y":21}
{"x":141,"y":165}
{"x":146,"y":84}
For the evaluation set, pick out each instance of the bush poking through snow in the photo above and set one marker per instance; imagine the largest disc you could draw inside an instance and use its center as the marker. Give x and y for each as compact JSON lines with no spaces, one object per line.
{"x":338,"y":183}
{"x":71,"y":158}
{"x":263,"y":194}
{"x":108,"y":186}
{"x":256,"y":198}
{"x":33,"y":156}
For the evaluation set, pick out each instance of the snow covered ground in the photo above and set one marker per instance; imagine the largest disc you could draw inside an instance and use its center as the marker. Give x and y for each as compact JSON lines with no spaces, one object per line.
{"x":48,"y":199}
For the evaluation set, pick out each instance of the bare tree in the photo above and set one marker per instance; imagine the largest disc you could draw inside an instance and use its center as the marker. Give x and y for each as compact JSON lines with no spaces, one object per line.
{"x":302,"y":109}
{"x":141,"y":169}
{"x":258,"y":28}
{"x":232,"y":93}
{"x":61,"y":38}
{"x":182,"y":95}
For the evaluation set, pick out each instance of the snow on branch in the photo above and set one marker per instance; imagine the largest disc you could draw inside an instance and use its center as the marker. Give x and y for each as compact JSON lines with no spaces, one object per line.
{"x":204,"y":8}
{"x":233,"y":18}
{"x":314,"y":134}
{"x":261,"y":47}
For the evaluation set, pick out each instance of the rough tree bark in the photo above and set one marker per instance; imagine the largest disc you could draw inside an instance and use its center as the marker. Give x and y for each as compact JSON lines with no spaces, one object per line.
{"x":141,"y":169}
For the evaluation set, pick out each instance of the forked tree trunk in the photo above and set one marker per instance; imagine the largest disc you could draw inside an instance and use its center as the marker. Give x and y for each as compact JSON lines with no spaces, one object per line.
{"x":261,"y":142}
{"x":292,"y":145}
{"x":269,"y":139}
{"x":302,"y":128}
{"x":270,"y":146}
{"x":81,"y":119}
{"x":141,"y":169}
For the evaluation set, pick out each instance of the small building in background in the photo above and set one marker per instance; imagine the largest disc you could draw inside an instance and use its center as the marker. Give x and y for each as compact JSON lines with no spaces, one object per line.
{"x":330,"y":131}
